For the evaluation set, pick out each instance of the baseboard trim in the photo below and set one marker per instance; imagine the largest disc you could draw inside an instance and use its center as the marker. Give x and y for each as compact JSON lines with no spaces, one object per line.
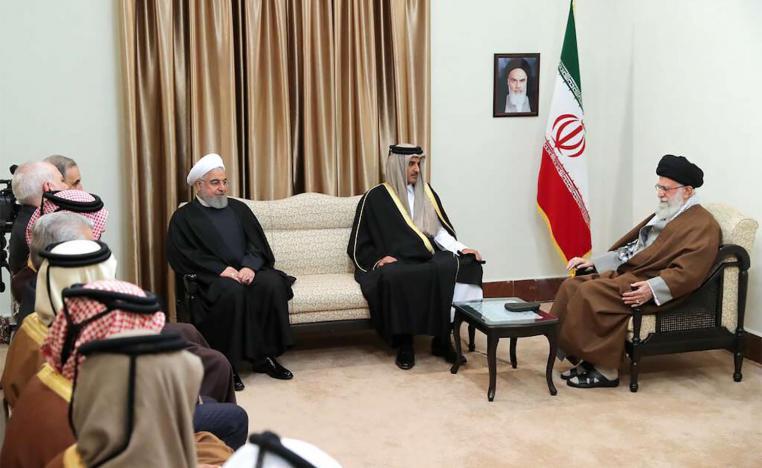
{"x":753,"y":347}
{"x":538,"y":289}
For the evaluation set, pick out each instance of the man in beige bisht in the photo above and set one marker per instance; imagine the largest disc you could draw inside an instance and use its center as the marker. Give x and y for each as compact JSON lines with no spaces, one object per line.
{"x":408,"y":261}
{"x":664,"y":257}
{"x":150,"y":381}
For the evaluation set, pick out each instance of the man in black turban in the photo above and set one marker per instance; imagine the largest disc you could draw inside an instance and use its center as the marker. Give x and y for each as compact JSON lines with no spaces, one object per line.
{"x":594,"y":308}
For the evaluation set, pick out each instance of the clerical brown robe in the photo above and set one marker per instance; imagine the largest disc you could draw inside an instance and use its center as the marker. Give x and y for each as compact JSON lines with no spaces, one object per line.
{"x":590,"y":308}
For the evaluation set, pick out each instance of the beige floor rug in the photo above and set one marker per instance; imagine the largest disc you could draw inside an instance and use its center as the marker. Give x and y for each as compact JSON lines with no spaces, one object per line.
{"x":349,"y":398}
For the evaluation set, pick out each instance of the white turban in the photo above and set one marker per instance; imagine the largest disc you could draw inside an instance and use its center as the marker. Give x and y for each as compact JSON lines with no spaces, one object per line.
{"x":63,"y":277}
{"x":204,"y":165}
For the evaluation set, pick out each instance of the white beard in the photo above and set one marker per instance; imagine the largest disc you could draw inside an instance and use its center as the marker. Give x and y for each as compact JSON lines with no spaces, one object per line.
{"x":218,"y":202}
{"x":517,"y":99}
{"x":669,"y":208}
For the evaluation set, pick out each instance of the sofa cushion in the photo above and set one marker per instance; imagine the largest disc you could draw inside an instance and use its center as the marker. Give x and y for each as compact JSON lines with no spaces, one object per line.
{"x":329,"y":316}
{"x":311,"y":251}
{"x":314,"y":293}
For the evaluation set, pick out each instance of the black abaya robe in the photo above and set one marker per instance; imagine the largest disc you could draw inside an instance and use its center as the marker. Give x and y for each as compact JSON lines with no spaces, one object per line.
{"x":412,"y":296}
{"x":243,"y":322}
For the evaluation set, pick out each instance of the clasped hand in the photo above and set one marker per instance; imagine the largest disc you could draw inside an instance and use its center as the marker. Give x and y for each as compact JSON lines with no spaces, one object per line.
{"x":385,"y":261}
{"x":244,"y":276}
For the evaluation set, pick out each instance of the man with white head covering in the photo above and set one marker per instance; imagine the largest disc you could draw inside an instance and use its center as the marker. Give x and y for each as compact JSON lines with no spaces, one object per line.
{"x":268,"y":450}
{"x":23,"y":359}
{"x":243,"y":311}
{"x":408,"y":262}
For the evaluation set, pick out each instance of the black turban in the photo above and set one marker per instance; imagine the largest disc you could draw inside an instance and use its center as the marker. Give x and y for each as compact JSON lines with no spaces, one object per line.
{"x":518,"y":63}
{"x":679,"y":169}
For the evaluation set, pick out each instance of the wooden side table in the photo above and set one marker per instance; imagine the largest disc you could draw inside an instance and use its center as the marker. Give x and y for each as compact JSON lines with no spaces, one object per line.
{"x":486,"y":317}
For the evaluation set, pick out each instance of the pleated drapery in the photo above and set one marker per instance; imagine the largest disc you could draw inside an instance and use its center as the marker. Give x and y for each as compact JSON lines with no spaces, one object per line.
{"x":295,"y":95}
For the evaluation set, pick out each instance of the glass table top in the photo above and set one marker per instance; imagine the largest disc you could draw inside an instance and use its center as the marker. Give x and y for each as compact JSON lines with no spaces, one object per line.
{"x":492,"y":312}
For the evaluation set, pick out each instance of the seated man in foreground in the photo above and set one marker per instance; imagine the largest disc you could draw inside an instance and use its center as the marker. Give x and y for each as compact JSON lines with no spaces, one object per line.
{"x":407,"y":260}
{"x":664,"y":257}
{"x":244,"y":300}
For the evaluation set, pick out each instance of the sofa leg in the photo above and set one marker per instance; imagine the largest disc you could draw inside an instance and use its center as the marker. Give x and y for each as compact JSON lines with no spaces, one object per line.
{"x":634,"y":368}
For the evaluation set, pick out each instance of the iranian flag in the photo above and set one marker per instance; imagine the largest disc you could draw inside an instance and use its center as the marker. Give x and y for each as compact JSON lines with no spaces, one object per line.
{"x":562,"y":193}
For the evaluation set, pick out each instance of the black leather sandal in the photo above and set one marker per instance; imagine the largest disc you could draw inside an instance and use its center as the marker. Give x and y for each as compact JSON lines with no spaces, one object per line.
{"x":582,"y":368}
{"x":592,"y":379}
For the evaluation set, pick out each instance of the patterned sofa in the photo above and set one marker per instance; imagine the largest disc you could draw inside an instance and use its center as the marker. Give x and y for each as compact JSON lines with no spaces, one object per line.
{"x":308,"y":234}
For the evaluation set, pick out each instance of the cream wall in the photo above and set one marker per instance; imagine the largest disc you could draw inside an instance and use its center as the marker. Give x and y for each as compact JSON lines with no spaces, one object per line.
{"x":59,"y":94}
{"x":486,"y":168}
{"x":697,"y":81}
{"x":647,"y":70}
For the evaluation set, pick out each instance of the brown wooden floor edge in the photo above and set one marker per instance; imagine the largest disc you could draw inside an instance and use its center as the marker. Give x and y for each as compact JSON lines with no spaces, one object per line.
{"x":753,"y":347}
{"x":544,"y":290}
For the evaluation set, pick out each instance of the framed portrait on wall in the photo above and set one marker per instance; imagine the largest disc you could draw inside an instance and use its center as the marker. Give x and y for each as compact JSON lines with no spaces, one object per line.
{"x":516,"y":91}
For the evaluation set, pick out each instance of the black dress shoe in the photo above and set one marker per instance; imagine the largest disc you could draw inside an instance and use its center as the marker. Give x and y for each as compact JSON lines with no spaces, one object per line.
{"x":238,"y":385}
{"x":442,"y":347}
{"x":271,"y":367}
{"x":405,"y":357}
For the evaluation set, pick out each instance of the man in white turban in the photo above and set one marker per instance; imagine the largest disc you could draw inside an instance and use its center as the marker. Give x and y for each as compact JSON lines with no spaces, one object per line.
{"x":408,"y":262}
{"x":243,"y":306}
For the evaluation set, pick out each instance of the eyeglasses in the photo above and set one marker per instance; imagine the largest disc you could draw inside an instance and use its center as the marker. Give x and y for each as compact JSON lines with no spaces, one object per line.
{"x":661,"y":188}
{"x":215,"y":182}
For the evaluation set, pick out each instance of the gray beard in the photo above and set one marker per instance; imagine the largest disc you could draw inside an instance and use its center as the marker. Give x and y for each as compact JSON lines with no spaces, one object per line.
{"x":216,"y":202}
{"x":668,"y":209}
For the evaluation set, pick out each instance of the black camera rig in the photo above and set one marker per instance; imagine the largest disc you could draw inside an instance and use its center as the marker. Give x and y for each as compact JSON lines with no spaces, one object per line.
{"x":8,"y":211}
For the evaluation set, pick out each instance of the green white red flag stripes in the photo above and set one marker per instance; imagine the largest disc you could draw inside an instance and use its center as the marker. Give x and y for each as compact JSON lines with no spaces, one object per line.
{"x":562,"y":193}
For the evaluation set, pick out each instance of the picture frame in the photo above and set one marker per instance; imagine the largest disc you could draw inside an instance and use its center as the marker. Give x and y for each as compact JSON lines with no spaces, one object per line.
{"x":523,"y":71}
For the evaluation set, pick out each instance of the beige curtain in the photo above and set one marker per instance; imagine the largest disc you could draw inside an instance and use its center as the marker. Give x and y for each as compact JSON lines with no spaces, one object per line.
{"x":296,"y":95}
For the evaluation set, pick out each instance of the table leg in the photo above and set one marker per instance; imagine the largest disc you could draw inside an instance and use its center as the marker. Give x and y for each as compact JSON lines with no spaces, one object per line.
{"x":471,"y":333}
{"x":514,"y":363}
{"x":492,"y":361}
{"x":552,"y":341}
{"x":458,"y":348}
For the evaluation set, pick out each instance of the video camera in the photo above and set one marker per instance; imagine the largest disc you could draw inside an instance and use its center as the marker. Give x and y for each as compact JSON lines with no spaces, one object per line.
{"x":8,"y":211}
